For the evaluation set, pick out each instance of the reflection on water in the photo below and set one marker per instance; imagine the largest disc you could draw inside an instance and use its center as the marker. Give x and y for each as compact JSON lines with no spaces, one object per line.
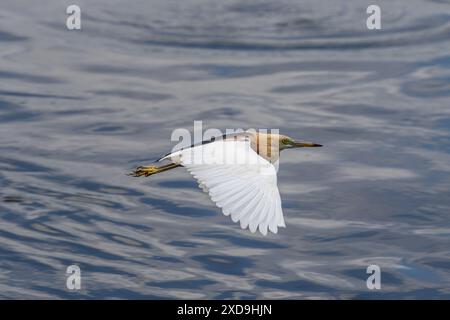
{"x":79,"y":109}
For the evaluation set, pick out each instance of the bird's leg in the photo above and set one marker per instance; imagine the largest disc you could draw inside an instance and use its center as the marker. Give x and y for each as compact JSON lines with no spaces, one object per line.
{"x":149,"y":170}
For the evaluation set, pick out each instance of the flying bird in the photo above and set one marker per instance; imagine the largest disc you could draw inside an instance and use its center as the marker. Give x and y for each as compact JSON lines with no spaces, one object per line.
{"x":239,"y":173}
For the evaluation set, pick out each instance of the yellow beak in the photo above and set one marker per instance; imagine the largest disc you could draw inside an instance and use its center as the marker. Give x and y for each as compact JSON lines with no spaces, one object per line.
{"x":305,"y":144}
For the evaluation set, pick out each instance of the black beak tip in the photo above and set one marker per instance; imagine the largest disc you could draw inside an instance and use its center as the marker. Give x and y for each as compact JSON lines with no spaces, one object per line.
{"x":317,"y":145}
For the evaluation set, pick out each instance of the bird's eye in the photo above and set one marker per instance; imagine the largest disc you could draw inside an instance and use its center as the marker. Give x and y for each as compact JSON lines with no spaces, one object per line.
{"x":285,"y":141}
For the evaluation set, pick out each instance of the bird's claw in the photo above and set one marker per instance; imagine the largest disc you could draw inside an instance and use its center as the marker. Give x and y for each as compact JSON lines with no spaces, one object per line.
{"x":143,"y":171}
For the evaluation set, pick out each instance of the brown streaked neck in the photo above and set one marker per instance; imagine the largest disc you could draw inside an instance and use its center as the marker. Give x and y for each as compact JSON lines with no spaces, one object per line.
{"x":266,"y":145}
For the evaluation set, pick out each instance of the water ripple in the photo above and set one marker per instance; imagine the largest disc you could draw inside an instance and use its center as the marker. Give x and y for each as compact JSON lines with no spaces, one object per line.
{"x":79,"y":109}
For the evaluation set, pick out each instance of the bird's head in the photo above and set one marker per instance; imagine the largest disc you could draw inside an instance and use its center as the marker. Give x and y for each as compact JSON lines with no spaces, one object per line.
{"x":288,"y":143}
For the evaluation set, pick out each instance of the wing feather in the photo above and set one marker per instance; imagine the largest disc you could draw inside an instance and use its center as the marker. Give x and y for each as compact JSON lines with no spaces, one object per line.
{"x":245,"y":190}
{"x":249,"y":209}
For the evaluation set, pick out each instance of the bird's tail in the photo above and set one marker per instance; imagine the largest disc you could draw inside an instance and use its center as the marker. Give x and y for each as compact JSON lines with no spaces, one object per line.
{"x":150,"y":170}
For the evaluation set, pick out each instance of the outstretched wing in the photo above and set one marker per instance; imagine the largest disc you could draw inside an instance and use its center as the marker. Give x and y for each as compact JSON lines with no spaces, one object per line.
{"x":239,"y":181}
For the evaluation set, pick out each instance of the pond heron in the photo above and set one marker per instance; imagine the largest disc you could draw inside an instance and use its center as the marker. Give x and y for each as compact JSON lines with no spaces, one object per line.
{"x":239,"y":173}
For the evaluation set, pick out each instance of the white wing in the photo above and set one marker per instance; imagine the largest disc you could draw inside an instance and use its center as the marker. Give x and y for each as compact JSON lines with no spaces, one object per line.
{"x":238,"y":180}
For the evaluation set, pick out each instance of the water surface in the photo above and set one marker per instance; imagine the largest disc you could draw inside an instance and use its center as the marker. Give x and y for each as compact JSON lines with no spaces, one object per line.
{"x":78,"y":109}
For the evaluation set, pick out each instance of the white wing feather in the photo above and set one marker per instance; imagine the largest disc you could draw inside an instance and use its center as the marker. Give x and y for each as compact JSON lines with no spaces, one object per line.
{"x":238,"y":180}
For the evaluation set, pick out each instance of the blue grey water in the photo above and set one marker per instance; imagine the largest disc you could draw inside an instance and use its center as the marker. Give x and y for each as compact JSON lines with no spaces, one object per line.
{"x":79,"y":109}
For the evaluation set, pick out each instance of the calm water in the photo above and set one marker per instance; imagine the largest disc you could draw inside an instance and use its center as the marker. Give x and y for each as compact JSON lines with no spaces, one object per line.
{"x":78,"y":109}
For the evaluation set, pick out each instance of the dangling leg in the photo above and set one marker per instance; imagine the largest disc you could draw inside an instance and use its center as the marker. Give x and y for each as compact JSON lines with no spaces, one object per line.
{"x":149,"y":170}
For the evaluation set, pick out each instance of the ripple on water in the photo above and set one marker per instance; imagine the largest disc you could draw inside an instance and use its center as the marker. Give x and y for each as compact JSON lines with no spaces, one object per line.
{"x":71,"y":124}
{"x":108,"y":129}
{"x":135,"y":95}
{"x":176,"y":209}
{"x":241,"y":241}
{"x":428,"y":88}
{"x":224,"y":264}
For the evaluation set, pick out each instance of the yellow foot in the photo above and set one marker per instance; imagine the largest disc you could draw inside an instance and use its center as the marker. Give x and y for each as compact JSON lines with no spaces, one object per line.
{"x":144,"y":171}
